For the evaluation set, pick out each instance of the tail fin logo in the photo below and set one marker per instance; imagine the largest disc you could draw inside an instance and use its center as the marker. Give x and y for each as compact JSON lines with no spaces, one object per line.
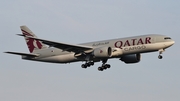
{"x":32,"y":43}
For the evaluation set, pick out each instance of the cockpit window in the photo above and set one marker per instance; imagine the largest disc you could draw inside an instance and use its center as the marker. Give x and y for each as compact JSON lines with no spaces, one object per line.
{"x":167,"y":38}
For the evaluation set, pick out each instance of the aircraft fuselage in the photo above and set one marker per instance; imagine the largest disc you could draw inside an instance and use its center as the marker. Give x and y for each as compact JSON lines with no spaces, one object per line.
{"x":129,"y":45}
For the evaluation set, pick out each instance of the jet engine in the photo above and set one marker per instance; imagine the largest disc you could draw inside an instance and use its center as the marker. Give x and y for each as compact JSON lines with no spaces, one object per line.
{"x":102,"y":52}
{"x":132,"y":58}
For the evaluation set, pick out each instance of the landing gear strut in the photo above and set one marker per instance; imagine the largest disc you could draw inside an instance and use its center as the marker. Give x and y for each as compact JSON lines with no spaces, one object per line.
{"x":104,"y":66}
{"x":160,"y":52}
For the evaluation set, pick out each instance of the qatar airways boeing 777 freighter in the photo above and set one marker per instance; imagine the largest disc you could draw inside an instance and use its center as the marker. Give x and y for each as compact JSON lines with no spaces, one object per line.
{"x":127,"y":49}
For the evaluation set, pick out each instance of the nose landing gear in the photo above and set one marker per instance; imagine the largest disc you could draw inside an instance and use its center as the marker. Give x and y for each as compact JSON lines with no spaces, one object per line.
{"x":160,"y":56}
{"x":160,"y":52}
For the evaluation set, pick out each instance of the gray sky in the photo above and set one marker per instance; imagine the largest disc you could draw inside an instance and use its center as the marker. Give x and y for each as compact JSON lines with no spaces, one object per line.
{"x":78,"y":21}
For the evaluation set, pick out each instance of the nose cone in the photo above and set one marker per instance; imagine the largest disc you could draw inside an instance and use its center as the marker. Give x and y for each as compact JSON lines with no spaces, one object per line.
{"x":172,"y":42}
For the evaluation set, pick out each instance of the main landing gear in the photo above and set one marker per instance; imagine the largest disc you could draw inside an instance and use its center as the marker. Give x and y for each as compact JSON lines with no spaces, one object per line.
{"x":104,"y":66}
{"x":160,"y":52}
{"x":87,"y":64}
{"x":101,"y":68}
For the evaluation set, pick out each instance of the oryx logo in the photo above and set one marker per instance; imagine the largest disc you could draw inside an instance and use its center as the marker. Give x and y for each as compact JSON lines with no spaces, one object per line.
{"x":31,"y":43}
{"x":101,"y":51}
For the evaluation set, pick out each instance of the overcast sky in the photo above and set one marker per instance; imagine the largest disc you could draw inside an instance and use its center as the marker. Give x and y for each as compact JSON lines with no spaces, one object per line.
{"x":79,"y":21}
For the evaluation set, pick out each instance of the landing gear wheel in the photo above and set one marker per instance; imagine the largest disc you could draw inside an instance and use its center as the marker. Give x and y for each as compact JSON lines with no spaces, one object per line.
{"x":100,"y":68}
{"x":91,"y":63}
{"x":84,"y":66}
{"x":88,"y":64}
{"x":108,"y":66}
{"x":104,"y":67}
{"x":160,"y":56}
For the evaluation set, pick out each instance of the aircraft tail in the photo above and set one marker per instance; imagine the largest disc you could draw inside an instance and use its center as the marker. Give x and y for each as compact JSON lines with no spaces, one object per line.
{"x":32,"y":44}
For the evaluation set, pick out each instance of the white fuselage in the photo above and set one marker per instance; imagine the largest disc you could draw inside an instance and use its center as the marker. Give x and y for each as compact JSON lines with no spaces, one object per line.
{"x":123,"y":46}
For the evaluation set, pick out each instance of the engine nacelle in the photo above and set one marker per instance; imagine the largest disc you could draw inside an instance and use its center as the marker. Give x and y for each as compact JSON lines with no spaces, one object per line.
{"x":103,"y":52}
{"x":132,"y":58}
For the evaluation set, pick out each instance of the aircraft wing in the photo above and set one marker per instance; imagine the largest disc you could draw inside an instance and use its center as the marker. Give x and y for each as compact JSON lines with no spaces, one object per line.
{"x":23,"y":54}
{"x":64,"y":46}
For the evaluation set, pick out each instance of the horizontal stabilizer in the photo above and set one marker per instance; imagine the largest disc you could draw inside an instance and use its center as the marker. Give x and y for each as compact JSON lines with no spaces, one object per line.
{"x":23,"y":54}
{"x":20,"y":34}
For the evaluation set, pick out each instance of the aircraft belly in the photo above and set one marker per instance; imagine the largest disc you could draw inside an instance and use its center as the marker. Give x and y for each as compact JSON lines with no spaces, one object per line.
{"x":60,"y":58}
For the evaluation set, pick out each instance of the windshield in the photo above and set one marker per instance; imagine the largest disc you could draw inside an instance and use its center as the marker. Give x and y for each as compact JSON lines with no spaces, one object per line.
{"x":167,"y":38}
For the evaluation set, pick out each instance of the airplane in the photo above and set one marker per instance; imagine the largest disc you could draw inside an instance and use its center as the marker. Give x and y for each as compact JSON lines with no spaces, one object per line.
{"x":127,"y":49}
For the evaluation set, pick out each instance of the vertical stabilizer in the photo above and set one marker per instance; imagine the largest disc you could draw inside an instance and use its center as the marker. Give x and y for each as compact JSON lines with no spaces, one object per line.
{"x":31,"y":43}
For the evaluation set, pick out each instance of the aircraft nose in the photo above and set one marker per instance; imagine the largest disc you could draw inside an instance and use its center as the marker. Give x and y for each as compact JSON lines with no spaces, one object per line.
{"x":169,"y":43}
{"x":172,"y":42}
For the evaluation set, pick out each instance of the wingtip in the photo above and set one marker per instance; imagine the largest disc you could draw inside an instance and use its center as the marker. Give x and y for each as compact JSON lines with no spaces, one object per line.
{"x":7,"y":52}
{"x":20,"y":34}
